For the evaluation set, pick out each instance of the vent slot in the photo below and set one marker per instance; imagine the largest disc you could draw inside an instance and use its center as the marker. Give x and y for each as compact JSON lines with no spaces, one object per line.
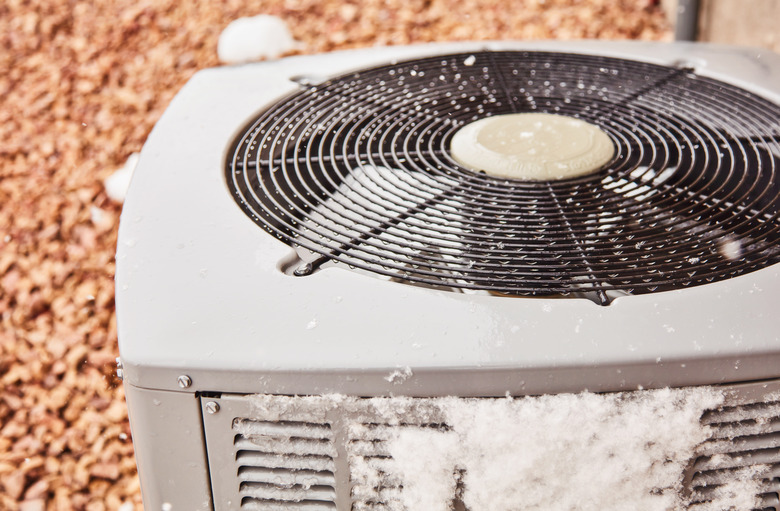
{"x":285,"y":465}
{"x":745,"y":445}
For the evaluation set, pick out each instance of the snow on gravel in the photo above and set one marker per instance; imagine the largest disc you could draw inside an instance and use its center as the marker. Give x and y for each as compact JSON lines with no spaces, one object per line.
{"x":254,"y":38}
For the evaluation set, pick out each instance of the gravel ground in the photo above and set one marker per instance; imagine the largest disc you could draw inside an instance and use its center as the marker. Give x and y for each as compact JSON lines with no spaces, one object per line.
{"x":81,"y":85}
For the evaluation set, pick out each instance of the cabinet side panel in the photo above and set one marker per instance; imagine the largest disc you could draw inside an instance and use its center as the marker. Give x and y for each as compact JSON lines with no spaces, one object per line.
{"x":170,"y":449}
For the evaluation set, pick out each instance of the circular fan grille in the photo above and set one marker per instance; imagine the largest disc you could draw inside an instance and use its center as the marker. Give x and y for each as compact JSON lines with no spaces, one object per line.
{"x":358,"y":170}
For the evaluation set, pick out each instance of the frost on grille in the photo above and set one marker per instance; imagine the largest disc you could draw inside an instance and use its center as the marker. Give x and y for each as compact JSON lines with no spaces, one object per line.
{"x":745,"y":445}
{"x":285,"y":465}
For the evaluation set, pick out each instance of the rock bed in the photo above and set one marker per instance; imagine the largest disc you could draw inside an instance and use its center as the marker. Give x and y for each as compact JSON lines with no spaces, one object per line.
{"x":81,"y":85}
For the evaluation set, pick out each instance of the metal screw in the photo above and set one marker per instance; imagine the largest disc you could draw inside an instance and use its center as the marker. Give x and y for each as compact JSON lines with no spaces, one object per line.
{"x":303,"y":270}
{"x":212,"y":407}
{"x":184,"y":381}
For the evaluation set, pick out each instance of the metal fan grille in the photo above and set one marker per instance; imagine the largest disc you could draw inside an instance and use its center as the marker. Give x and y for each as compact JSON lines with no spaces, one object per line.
{"x":357,"y":170}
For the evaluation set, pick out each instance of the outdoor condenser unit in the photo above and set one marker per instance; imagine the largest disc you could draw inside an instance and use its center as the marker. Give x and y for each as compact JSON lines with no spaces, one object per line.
{"x":315,"y":252}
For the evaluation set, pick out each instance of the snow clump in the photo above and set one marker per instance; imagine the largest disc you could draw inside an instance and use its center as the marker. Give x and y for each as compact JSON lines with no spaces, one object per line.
{"x":254,"y":38}
{"x":117,"y":183}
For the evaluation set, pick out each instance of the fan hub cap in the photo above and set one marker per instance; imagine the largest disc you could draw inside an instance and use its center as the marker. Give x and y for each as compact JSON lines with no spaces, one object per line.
{"x":532,"y":146}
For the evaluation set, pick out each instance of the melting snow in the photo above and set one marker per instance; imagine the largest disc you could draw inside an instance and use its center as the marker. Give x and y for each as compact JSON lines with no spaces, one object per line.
{"x":254,"y":38}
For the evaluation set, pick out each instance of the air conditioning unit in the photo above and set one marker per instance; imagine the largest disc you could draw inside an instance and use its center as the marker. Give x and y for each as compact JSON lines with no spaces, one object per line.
{"x":463,"y":276}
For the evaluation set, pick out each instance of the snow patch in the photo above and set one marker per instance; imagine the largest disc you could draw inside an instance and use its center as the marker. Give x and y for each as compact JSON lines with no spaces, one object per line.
{"x":585,"y":452}
{"x":400,"y":375}
{"x":562,"y":452}
{"x":97,"y":215}
{"x":117,"y":183}
{"x":254,"y":38}
{"x":432,"y":488}
{"x":730,"y":248}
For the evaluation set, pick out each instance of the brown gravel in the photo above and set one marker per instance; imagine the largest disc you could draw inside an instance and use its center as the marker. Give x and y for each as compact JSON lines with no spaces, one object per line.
{"x":81,"y":85}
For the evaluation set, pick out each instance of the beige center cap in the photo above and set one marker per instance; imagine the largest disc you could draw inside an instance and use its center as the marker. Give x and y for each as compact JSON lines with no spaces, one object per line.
{"x":532,"y":147}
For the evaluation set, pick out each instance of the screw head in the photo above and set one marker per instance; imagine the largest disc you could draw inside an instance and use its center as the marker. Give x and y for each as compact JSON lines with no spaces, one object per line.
{"x":184,"y":381}
{"x":212,"y":407}
{"x":303,"y":270}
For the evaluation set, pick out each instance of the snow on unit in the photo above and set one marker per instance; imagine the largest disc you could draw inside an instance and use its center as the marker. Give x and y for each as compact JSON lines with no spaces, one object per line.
{"x":587,"y":452}
{"x":254,"y":38}
{"x":559,"y":452}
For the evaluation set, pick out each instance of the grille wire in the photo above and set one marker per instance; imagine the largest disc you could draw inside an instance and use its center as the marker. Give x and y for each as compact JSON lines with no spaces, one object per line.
{"x":357,"y":170}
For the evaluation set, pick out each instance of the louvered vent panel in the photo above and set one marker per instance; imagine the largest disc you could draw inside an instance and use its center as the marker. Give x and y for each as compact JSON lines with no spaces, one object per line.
{"x":285,"y":465}
{"x":367,"y":447}
{"x":279,"y":453}
{"x":745,"y":445}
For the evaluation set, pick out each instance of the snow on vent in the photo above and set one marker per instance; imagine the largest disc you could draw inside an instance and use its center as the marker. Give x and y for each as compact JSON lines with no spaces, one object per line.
{"x":701,"y":449}
{"x":585,"y":451}
{"x":285,"y":465}
{"x":745,"y":445}
{"x":375,"y":481}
